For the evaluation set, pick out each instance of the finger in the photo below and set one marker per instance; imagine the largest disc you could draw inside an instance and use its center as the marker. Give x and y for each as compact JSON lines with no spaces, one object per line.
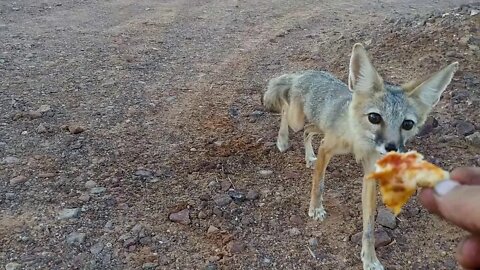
{"x":459,"y":204}
{"x":468,"y":252}
{"x":466,"y":175}
{"x":427,"y":198}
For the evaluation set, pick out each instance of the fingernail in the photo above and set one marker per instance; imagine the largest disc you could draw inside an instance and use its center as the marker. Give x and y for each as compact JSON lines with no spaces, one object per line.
{"x":444,"y":187}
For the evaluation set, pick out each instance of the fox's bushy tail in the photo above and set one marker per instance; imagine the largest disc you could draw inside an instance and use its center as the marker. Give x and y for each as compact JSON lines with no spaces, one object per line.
{"x":277,"y":92}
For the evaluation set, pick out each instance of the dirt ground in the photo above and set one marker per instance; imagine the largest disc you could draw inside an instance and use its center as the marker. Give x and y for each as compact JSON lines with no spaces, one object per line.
{"x":118,"y":117}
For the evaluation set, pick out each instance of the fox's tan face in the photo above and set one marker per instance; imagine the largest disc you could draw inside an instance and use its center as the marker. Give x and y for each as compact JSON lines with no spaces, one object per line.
{"x":388,"y":115}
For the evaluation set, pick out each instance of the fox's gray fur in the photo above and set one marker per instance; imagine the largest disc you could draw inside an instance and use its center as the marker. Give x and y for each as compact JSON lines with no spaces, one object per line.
{"x":365,"y":117}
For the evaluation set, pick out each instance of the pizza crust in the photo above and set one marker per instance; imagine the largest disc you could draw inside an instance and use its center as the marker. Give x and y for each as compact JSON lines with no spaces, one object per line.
{"x":399,"y":175}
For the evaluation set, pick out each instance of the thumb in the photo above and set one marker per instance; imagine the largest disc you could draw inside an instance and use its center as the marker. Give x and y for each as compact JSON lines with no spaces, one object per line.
{"x":459,"y":204}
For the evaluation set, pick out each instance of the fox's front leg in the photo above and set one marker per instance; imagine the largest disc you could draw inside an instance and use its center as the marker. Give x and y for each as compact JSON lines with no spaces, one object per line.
{"x":316,"y":210}
{"x":308,"y":133}
{"x":369,"y":205}
{"x":282,"y":139}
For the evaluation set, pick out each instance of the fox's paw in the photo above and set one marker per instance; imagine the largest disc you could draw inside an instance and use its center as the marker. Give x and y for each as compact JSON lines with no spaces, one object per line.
{"x":375,"y":265}
{"x":310,"y":162}
{"x":318,"y":214}
{"x":370,"y":261}
{"x":282,"y":145}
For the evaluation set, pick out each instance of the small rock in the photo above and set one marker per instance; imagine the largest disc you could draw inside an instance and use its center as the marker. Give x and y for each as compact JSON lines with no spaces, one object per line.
{"x":137,"y":229}
{"x":97,"y":248}
{"x":143,"y":173}
{"x":182,"y":217}
{"x":236,"y":195}
{"x":296,"y":220}
{"x":128,"y":243}
{"x":226,"y":185}
{"x":9,"y":196}
{"x":222,"y":200}
{"x":12,"y":266}
{"x":149,"y":265}
{"x":33,"y":114}
{"x":76,"y":238}
{"x":465,"y":128}
{"x":90,"y":184}
{"x":75,"y":128}
{"x":235,"y":247}
{"x":386,"y":218}
{"x":42,"y":128}
{"x":18,"y":180}
{"x":474,"y":139}
{"x":108,"y":225}
{"x":202,"y":215}
{"x":252,"y":195}
{"x":69,"y":213}
{"x":44,"y":109}
{"x":211,"y":266}
{"x":313,"y":242}
{"x":10,"y":160}
{"x":265,"y":172}
{"x":465,"y":40}
{"x":146,"y":241}
{"x":474,"y":12}
{"x":84,"y":197}
{"x":382,"y":238}
{"x":212,"y":229}
{"x":294,"y":232}
{"x":214,"y":185}
{"x":97,"y":190}
{"x":46,"y":175}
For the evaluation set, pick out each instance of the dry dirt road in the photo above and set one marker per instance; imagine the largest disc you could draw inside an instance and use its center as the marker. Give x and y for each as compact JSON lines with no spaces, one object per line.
{"x":116,"y":114}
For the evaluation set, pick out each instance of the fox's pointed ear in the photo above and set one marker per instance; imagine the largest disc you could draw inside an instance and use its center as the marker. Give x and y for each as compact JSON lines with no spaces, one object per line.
{"x":362,"y":75}
{"x":429,"y":90}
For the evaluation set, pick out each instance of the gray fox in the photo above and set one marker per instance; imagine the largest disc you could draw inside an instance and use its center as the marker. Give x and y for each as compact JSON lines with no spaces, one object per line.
{"x":367,"y":118}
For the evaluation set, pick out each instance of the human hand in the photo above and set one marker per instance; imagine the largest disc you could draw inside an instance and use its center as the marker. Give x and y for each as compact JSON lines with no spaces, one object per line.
{"x":458,"y":201}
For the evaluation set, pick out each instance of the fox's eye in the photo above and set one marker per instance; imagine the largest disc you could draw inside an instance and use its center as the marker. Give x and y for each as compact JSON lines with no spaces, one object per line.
{"x":374,"y":118}
{"x":407,"y":124}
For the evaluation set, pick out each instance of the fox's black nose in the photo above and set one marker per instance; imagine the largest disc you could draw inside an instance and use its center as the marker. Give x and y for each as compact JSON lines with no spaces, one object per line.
{"x":391,"y":147}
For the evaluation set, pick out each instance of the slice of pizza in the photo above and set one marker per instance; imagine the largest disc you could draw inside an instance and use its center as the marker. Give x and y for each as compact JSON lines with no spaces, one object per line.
{"x":399,"y":175}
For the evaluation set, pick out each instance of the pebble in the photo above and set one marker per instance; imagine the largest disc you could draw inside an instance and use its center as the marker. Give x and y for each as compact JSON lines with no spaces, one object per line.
{"x":44,"y":109}
{"x":202,"y":215}
{"x":252,"y":195}
{"x":108,"y":225}
{"x":474,"y":139}
{"x":294,"y":232}
{"x":182,"y":217}
{"x":236,"y":195}
{"x":386,"y":218}
{"x":84,"y":198}
{"x":214,"y":185}
{"x":10,"y":160}
{"x":97,"y":190}
{"x":381,"y":238}
{"x":235,"y":247}
{"x":97,"y":248}
{"x":149,"y":266}
{"x":225,"y":185}
{"x":465,"y":128}
{"x":69,"y":213}
{"x":265,"y":172}
{"x":144,"y":173}
{"x":33,"y":114}
{"x":296,"y":220}
{"x":9,"y":195}
{"x":212,"y":229}
{"x":12,"y":266}
{"x":18,"y":180}
{"x":313,"y":242}
{"x":90,"y":184}
{"x":211,"y":266}
{"x":222,"y":200}
{"x":42,"y":128}
{"x":75,"y":128}
{"x":76,"y":238}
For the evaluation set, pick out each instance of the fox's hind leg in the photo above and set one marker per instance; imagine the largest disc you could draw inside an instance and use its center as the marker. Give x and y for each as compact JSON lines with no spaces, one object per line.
{"x":308,"y":133}
{"x":282,"y":139}
{"x":316,"y":210}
